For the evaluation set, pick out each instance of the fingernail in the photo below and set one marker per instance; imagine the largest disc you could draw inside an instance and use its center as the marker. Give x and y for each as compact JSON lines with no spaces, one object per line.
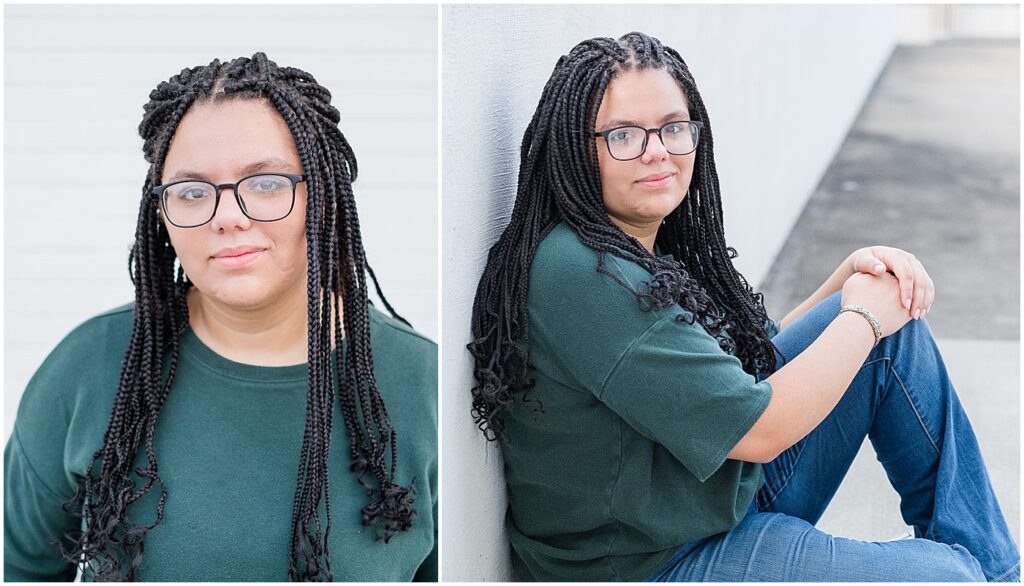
{"x":879,"y":267}
{"x":917,"y":314}
{"x":906,"y":303}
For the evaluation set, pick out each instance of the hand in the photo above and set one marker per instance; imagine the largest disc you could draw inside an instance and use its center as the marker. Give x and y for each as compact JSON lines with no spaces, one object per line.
{"x":917,"y":291}
{"x":879,"y":294}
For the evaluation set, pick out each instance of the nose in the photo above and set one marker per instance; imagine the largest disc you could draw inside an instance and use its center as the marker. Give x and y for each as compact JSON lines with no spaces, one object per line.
{"x":655,"y":150}
{"x":228,"y":214}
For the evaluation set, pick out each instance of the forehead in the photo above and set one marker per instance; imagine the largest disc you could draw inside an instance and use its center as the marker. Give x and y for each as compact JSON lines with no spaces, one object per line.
{"x":221,"y":138}
{"x":641,"y":96}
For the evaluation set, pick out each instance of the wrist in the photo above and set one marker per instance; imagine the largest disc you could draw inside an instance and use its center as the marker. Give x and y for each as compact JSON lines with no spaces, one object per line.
{"x":858,"y":330}
{"x":873,"y":323}
{"x":847,"y":269}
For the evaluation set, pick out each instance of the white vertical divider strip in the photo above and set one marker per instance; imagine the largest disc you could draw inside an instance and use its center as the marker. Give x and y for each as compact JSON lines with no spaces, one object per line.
{"x":440,"y":298}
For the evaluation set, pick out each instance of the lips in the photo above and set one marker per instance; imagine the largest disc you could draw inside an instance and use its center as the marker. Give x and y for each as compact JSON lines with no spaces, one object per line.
{"x":656,"y":179}
{"x":237,"y":256}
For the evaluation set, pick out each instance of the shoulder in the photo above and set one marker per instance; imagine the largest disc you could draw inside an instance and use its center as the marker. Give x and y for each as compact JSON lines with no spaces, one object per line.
{"x":101,"y":331}
{"x":91,"y":350}
{"x":562,"y":247}
{"x":405,"y":368}
{"x":404,"y":360}
{"x":73,"y":387}
{"x":562,"y":254}
{"x":96,"y":345}
{"x":565,"y":268}
{"x":397,"y":337}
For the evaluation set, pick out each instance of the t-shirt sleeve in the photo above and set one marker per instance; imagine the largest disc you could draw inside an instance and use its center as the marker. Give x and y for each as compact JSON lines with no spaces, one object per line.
{"x":668,"y":379}
{"x":36,"y":484}
{"x":34,"y":522}
{"x":677,"y":387}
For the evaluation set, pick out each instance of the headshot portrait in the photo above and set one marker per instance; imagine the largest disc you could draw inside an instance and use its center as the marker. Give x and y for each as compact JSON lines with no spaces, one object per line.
{"x":221,"y":293}
{"x":693,"y":258}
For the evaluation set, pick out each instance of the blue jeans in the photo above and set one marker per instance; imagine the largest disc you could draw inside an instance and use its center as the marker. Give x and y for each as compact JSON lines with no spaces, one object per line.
{"x":902,"y":399}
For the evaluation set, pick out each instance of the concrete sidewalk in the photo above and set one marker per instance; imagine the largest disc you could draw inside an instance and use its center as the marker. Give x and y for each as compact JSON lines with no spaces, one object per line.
{"x":931,"y":165}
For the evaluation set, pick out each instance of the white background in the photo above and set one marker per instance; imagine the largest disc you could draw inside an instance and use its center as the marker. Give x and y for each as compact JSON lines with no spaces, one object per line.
{"x":76,"y":80}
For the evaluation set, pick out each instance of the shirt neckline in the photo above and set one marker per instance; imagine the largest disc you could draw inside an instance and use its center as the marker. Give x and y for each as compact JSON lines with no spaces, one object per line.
{"x":195,"y":347}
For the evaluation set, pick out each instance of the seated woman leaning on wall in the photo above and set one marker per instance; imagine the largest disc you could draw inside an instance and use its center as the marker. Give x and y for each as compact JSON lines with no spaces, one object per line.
{"x":655,"y":424}
{"x":173,"y":427}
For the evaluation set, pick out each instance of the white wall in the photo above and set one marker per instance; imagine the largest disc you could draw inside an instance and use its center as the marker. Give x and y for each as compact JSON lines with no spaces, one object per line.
{"x":782,"y":85}
{"x":925,"y":23}
{"x":76,"y":80}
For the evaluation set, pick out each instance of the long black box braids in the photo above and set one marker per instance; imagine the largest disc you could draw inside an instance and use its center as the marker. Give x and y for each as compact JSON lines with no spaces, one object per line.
{"x":559,"y":180}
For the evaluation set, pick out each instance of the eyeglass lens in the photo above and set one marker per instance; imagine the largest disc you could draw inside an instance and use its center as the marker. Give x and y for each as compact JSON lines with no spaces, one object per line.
{"x":679,"y":138}
{"x":264,"y":198}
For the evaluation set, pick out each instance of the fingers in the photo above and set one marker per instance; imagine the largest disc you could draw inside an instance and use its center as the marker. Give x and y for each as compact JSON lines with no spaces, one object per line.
{"x":866,"y":262}
{"x":917,"y":290}
{"x":924,"y":291}
{"x":904,"y":272}
{"x":920,"y":291}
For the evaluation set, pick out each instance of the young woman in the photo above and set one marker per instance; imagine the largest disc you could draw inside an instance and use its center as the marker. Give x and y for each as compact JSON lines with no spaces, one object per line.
{"x":160,"y":440}
{"x":654,"y":423}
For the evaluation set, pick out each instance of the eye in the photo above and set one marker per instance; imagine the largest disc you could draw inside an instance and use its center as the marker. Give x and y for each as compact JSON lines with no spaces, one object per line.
{"x":674,"y":128}
{"x":191,"y":192}
{"x":622,"y":135}
{"x":267,"y":184}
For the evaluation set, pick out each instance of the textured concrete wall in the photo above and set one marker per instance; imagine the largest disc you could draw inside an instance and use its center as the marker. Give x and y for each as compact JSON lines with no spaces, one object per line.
{"x":782,"y":85}
{"x":76,"y":80}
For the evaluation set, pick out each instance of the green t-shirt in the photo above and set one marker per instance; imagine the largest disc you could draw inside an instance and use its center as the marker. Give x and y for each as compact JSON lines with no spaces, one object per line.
{"x":227,"y":443}
{"x":617,"y":455}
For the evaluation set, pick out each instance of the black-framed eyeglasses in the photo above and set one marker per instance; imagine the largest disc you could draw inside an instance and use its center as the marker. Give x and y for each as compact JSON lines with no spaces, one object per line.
{"x":264,"y":197}
{"x":626,"y":143}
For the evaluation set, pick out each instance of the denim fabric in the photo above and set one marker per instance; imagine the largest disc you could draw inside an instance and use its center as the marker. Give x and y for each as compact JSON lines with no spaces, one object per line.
{"x":902,"y":399}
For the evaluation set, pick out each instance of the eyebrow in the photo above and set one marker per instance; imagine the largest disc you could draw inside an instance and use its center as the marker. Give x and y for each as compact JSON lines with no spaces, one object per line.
{"x":270,"y":163}
{"x":671,"y":116}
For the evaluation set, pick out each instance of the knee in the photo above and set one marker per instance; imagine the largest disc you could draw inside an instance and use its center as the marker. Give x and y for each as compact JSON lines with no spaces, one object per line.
{"x":965,"y":567}
{"x":916,"y":333}
{"x":917,"y":327}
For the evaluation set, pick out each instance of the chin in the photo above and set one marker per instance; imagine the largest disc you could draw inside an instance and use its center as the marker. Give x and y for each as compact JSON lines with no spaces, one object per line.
{"x":658,"y":212}
{"x":241,"y":293}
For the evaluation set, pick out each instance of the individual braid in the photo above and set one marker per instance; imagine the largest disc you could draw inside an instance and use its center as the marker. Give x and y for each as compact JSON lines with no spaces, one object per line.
{"x":559,"y":180}
{"x":111,"y":546}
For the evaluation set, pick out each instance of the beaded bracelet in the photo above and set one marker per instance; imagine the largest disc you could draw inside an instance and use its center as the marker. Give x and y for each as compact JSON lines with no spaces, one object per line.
{"x":875,"y":326}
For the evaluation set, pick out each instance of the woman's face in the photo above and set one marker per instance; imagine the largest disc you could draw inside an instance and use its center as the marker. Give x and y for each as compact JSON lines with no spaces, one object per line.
{"x":641,"y":192}
{"x":233,"y":260}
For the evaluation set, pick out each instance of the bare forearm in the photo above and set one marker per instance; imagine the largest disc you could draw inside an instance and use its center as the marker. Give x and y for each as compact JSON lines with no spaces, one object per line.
{"x":830,"y":286}
{"x":807,"y":388}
